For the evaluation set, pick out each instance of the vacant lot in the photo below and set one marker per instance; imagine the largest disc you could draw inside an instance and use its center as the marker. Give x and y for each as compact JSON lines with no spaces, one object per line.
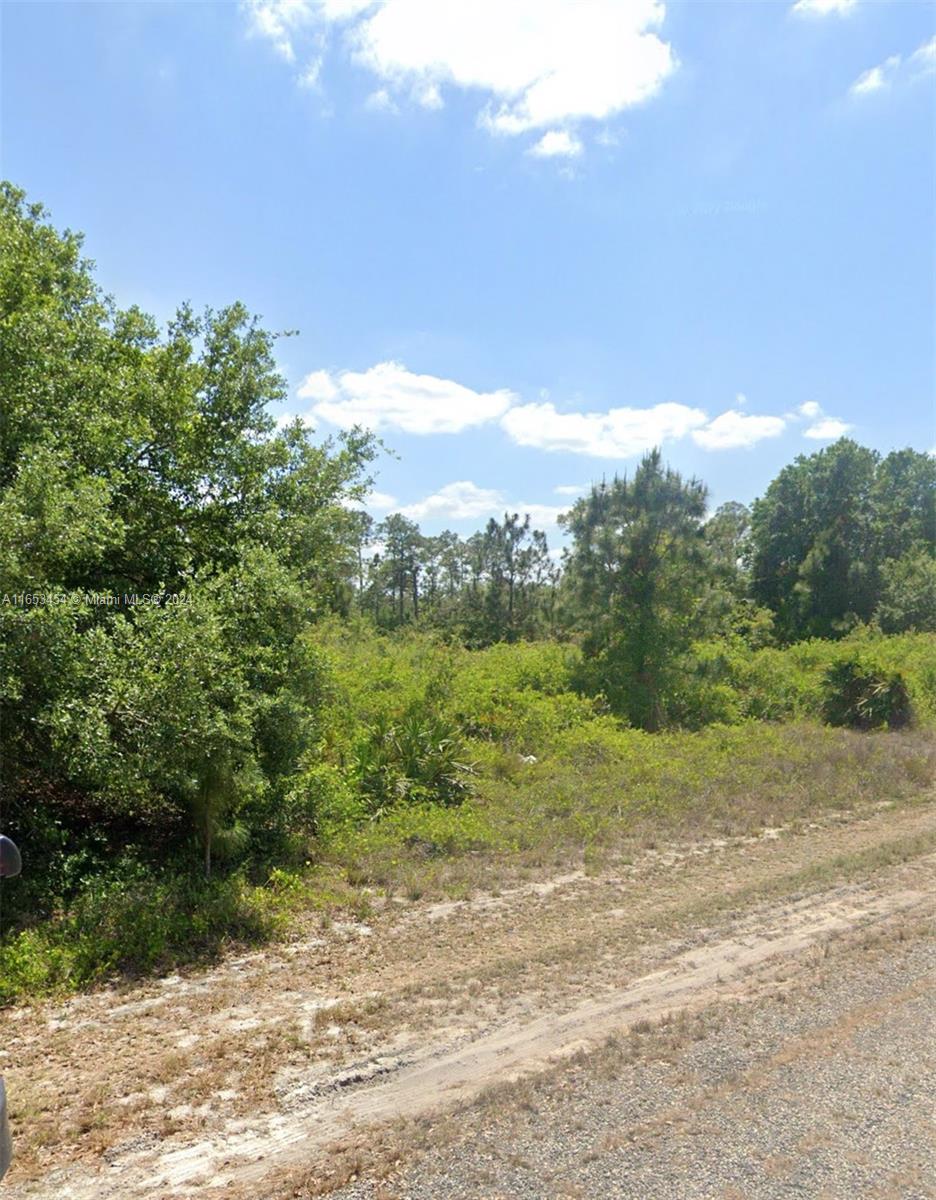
{"x":361,"y":1048}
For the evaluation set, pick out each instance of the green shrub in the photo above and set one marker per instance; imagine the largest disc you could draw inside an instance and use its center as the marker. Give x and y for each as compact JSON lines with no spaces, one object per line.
{"x":419,"y":759}
{"x":860,"y":695}
{"x":320,"y":797}
{"x":519,"y":695}
{"x":727,"y":681}
{"x":132,"y":920}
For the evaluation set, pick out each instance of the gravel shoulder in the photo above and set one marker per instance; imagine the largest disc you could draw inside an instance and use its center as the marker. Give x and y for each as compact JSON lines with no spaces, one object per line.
{"x":823,"y":1088}
{"x":362,"y":1048}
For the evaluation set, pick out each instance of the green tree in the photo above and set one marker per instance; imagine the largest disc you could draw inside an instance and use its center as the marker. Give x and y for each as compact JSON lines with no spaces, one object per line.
{"x":727,"y":533}
{"x":904,"y":504}
{"x":908,"y":593}
{"x":401,"y":563}
{"x":135,"y":461}
{"x":827,"y":526}
{"x":812,"y":535}
{"x":636,"y":569}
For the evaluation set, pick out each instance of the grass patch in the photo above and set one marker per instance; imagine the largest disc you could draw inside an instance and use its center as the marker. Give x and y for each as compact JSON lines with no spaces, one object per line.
{"x":126,"y":924}
{"x":606,"y":789}
{"x":133,"y":924}
{"x":603,"y":793}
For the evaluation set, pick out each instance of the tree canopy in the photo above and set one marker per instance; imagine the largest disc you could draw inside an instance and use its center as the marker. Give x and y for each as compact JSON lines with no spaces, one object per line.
{"x":827,"y":526}
{"x":635,"y":571}
{"x":162,"y":550}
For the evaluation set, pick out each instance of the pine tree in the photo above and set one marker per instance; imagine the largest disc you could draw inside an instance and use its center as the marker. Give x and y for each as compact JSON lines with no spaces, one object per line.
{"x":636,"y":570}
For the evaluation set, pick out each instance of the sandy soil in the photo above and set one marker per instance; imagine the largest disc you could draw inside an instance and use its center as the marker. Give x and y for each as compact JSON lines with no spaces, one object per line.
{"x":819,"y":1085}
{"x":240,"y":1080}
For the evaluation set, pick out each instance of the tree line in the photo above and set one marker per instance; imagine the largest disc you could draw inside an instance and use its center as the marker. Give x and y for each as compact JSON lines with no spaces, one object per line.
{"x":841,"y":537}
{"x":135,"y":460}
{"x":499,"y":584}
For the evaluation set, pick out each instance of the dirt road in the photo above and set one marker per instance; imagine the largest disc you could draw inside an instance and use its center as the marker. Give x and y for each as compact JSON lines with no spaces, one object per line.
{"x":361,"y":1047}
{"x":818,"y":1087}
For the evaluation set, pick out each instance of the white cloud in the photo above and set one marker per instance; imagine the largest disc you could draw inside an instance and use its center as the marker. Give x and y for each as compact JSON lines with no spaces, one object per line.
{"x":459,"y":501}
{"x":380,"y":500}
{"x":827,"y":429}
{"x":542,"y":61}
{"x":310,"y":76}
{"x":925,"y":55}
{"x":733,"y":429}
{"x":318,"y":385}
{"x":465,"y":501}
{"x":874,"y":79}
{"x":374,"y":502}
{"x":381,"y":101}
{"x":618,"y":433}
{"x":278,"y":21}
{"x":897,"y":70}
{"x":571,"y":489}
{"x":556,"y":143}
{"x":542,"y":516}
{"x":823,"y":428}
{"x":426,"y":96}
{"x":822,"y":8}
{"x":537,"y":63}
{"x":429,"y":96}
{"x":387,"y":396}
{"x":341,"y":10}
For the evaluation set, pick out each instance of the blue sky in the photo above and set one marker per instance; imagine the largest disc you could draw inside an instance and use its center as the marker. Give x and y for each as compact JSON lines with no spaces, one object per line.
{"x":523,"y":239}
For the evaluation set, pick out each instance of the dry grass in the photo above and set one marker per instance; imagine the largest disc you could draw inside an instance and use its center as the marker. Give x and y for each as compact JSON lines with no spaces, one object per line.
{"x":415,"y":977}
{"x":380,"y":1154}
{"x":597,"y":804}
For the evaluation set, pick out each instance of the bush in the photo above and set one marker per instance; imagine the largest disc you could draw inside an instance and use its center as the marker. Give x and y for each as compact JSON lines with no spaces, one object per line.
{"x":419,"y":759}
{"x":132,"y":920}
{"x":860,"y":695}
{"x":321,"y":797}
{"x":520,"y":695}
{"x":726,"y":681}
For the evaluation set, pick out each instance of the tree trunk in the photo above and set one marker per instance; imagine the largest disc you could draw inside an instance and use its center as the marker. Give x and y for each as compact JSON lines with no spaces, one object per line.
{"x":206,"y":836}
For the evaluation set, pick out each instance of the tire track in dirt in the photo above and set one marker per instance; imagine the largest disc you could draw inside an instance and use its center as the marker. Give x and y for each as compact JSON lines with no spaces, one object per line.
{"x":446,"y":1075}
{"x":109,"y":1083}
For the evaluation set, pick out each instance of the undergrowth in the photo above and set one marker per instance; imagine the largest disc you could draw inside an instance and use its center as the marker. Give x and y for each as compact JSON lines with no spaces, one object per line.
{"x":441,"y":770}
{"x":603,"y":793}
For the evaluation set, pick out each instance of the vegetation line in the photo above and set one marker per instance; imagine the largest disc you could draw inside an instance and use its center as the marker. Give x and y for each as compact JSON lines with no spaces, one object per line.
{"x":227,"y":696}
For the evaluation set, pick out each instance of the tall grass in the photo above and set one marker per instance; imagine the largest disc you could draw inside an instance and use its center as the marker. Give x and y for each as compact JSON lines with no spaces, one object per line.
{"x":388,"y":801}
{"x":605,"y":791}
